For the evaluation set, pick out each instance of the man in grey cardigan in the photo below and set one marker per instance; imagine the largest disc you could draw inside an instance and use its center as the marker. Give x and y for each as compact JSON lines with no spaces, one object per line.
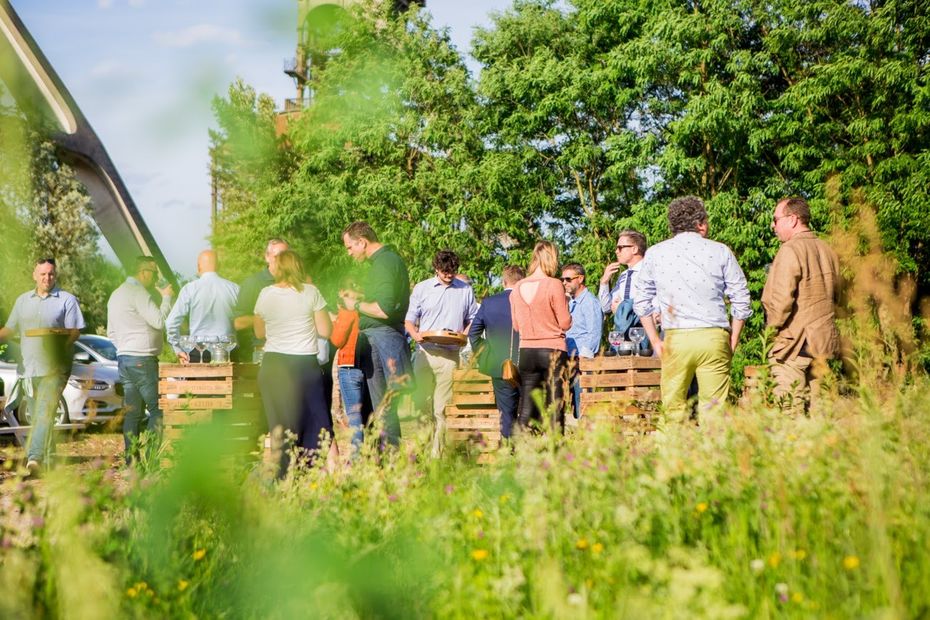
{"x":136,"y":326}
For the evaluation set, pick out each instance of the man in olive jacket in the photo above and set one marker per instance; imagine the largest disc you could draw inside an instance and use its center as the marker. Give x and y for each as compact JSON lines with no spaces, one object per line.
{"x":800,"y":297}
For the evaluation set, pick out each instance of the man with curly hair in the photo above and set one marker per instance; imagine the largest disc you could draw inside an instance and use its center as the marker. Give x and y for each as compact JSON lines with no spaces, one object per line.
{"x":689,"y":278}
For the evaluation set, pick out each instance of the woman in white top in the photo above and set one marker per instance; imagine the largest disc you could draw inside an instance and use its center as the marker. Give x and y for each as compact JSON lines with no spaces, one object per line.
{"x":291,"y":316}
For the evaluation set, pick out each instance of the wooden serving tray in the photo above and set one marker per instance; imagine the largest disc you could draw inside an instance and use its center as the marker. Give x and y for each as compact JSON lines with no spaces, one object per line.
{"x":445,"y":336}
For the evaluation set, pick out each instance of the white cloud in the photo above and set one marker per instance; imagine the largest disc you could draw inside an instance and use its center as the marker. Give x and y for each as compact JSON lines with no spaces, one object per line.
{"x":201,"y":33}
{"x":136,"y":3}
{"x":108,"y":69}
{"x":104,"y":4}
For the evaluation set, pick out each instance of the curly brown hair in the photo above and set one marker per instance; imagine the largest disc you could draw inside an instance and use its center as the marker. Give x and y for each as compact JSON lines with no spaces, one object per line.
{"x":685,"y":214}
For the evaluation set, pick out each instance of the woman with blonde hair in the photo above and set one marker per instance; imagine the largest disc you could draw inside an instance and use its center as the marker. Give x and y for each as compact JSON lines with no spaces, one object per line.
{"x":540,"y":315}
{"x":291,"y":316}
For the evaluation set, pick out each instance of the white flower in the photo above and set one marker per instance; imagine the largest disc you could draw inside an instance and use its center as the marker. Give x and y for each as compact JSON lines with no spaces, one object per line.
{"x":575,"y":599}
{"x":757,"y":565}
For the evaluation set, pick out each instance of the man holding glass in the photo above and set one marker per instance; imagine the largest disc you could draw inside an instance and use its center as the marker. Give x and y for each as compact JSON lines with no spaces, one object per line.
{"x":630,"y":250}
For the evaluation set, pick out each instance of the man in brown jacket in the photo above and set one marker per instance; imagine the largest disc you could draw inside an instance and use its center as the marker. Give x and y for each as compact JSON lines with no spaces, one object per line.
{"x":800,"y":298}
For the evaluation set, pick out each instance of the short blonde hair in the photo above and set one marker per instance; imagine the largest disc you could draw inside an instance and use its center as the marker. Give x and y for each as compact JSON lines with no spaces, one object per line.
{"x":545,"y":255}
{"x":290,"y":269}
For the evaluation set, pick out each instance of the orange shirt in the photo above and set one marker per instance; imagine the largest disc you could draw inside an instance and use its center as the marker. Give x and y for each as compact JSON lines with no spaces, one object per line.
{"x":345,"y":336}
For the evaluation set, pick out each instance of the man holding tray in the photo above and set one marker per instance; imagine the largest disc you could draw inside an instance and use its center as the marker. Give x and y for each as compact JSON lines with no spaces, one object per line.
{"x":48,"y":320}
{"x":443,"y":303}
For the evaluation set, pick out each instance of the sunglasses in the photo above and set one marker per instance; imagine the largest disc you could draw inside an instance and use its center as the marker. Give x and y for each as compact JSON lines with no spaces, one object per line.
{"x":569,"y":278}
{"x":620,"y":246}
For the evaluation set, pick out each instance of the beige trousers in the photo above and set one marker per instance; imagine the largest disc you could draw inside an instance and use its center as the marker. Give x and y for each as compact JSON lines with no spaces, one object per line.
{"x":797,"y":385}
{"x":433,"y":372}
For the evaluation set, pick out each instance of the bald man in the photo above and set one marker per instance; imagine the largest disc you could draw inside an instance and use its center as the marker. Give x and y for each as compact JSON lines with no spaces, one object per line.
{"x":207,"y":303}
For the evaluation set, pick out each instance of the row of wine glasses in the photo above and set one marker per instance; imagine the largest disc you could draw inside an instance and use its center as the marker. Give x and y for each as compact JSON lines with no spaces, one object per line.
{"x":616,"y":340}
{"x":218,"y":346}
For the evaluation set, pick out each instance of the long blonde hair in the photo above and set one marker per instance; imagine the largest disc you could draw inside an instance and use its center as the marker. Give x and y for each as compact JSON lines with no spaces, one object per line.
{"x":290,"y":270}
{"x":545,"y":255}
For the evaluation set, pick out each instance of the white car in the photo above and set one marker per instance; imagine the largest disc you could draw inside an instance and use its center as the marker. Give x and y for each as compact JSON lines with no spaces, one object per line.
{"x":93,"y":392}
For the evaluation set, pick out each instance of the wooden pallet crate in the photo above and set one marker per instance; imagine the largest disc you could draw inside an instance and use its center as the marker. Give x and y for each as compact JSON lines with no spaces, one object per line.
{"x":471,"y":414}
{"x":622,"y":390}
{"x":224,"y":393}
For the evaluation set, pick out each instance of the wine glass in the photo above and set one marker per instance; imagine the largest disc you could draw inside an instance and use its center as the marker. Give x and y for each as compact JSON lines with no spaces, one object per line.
{"x":229,"y":343}
{"x":637,"y":335}
{"x":615,"y":337}
{"x":186,"y":343}
{"x":200,"y":343}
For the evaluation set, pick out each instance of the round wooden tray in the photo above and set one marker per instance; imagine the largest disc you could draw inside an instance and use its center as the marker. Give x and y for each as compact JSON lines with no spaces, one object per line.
{"x":48,"y":331}
{"x":445,"y":336}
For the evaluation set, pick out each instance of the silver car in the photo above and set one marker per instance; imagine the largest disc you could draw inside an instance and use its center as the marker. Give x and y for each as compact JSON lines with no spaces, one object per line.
{"x":93,"y":392}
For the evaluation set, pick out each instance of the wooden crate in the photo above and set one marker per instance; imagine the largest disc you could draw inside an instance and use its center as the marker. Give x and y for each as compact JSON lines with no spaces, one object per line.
{"x":472,"y":414}
{"x":621,"y":389}
{"x":224,"y":393}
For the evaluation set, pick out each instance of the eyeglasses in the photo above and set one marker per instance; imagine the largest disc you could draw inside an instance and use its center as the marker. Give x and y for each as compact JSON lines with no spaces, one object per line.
{"x":46,"y":261}
{"x":569,"y":278}
{"x":621,"y":246}
{"x":780,"y":217}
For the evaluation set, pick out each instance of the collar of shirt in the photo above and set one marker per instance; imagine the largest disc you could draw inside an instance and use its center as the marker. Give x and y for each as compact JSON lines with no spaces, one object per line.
{"x":456,"y":283}
{"x":52,"y":293}
{"x":210,"y":274}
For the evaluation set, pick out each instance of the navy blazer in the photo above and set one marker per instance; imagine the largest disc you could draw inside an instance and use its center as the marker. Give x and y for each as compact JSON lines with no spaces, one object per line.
{"x":494,"y":321}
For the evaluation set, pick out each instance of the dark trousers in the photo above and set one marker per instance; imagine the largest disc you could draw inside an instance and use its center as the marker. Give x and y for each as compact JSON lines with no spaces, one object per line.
{"x":139,"y":375}
{"x":390,"y":356}
{"x":507,"y":398}
{"x":294,"y":398}
{"x":542,"y":369}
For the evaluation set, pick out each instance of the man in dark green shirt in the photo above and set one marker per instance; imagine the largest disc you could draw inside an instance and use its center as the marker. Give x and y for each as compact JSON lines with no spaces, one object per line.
{"x":382,"y":312}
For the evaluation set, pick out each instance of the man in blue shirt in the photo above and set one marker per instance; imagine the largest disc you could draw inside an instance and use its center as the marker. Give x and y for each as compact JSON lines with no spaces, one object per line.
{"x":46,"y":360}
{"x":584,"y":337}
{"x":208,"y":303}
{"x":443,"y":302}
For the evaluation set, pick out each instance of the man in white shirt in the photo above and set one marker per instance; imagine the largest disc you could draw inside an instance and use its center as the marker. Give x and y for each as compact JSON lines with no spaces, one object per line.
{"x":208,"y":303}
{"x":136,"y":326}
{"x":689,"y":277}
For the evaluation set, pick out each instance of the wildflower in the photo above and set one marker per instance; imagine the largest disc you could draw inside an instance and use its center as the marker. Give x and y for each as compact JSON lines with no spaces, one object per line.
{"x":701,"y":507}
{"x":797,"y":597}
{"x":449,"y":488}
{"x":199,"y":554}
{"x":851,"y":562}
{"x":392,"y":497}
{"x":575,"y":599}
{"x":182,"y":584}
{"x":781,"y":589}
{"x":799,"y":554}
{"x":775,"y":560}
{"x":504,"y":498}
{"x":477,"y":513}
{"x":569,"y":457}
{"x":582,"y":543}
{"x":757,"y":565}
{"x":479,"y":554}
{"x":597,"y":548}
{"x":479,"y":534}
{"x":313,"y":486}
{"x":131,"y":592}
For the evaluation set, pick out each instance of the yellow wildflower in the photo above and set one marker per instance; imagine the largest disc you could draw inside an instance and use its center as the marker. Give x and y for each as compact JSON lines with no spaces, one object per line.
{"x":851,"y":562}
{"x":582,"y":543}
{"x":199,"y":554}
{"x":775,"y":560}
{"x":797,"y":597}
{"x":479,"y":554}
{"x":799,"y":554}
{"x":131,"y":593}
{"x":477,"y":513}
{"x":182,"y":585}
{"x":596,"y":548}
{"x":701,"y":507}
{"x":504,"y":498}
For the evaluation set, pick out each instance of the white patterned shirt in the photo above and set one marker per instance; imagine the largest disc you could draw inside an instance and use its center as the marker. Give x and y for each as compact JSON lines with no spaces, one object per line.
{"x":689,"y":277}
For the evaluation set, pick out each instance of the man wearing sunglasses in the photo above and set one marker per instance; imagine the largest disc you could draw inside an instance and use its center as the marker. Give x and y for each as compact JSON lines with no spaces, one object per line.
{"x":46,"y":359}
{"x":584,"y":336}
{"x":136,"y":326}
{"x":800,"y":297}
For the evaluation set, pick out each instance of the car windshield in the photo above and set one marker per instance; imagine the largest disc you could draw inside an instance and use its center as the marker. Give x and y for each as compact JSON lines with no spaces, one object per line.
{"x":100,"y":345}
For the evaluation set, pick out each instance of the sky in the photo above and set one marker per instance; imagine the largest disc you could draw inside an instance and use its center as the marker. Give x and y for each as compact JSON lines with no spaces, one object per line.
{"x":144,"y":73}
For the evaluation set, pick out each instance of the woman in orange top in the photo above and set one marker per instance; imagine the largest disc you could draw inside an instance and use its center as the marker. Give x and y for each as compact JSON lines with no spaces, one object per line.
{"x":540,"y":315}
{"x":352,"y":359}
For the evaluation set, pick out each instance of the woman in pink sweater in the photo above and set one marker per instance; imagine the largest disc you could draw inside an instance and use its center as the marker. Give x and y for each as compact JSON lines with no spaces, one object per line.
{"x":540,"y":315}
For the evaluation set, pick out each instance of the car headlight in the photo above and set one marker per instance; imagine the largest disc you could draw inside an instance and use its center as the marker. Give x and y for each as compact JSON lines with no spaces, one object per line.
{"x":88,"y":384}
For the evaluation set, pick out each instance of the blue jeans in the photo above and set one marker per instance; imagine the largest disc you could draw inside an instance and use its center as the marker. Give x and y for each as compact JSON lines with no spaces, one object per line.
{"x":42,"y":400}
{"x":353,"y":387}
{"x":391,"y":367}
{"x":139,"y":375}
{"x":507,"y":398}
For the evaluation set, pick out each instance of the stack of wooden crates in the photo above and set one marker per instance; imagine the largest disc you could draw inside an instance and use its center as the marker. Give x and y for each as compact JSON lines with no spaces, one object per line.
{"x":623,"y":390}
{"x":224,"y":393}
